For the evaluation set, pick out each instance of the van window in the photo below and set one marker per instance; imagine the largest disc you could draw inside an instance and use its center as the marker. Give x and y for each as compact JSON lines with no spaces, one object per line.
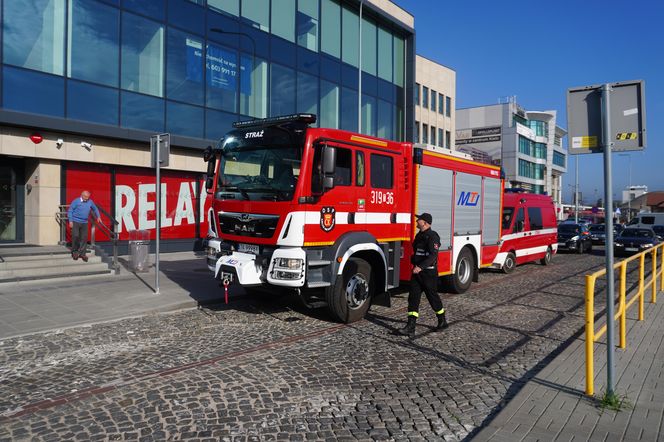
{"x":343,"y":167}
{"x":382,"y":171}
{"x":520,"y":218}
{"x":535,"y":217}
{"x":359,"y":168}
{"x":508,"y":213}
{"x":648,"y":220}
{"x":633,"y":222}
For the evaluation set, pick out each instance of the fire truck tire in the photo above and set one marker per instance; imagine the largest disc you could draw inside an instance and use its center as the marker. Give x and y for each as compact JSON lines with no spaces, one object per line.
{"x":462,"y":278}
{"x":547,"y":257}
{"x":349,"y":299}
{"x":510,"y":263}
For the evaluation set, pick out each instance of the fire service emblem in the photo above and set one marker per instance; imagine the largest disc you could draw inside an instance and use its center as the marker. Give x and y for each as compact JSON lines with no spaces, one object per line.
{"x":327,"y":218}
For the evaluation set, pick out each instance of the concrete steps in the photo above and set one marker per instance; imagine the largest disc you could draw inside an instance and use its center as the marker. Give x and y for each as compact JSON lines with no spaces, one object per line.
{"x":20,"y":264}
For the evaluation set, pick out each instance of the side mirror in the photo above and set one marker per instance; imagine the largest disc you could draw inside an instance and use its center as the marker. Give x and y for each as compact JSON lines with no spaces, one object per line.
{"x":207,"y":154}
{"x":329,"y":160}
{"x":328,"y":183}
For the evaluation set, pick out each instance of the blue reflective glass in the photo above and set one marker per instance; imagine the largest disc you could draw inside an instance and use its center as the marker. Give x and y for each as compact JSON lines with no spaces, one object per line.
{"x":142,"y":112}
{"x":307,"y":61}
{"x":385,"y":90}
{"x":33,"y":92}
{"x":369,"y":84}
{"x":307,"y":93}
{"x":254,"y":41}
{"x":283,"y":52}
{"x":94,"y":41}
{"x":349,"y":76}
{"x":282,"y":87}
{"x":151,"y":8}
{"x":88,"y":102}
{"x":330,"y":69}
{"x":384,"y":120}
{"x":182,"y":119}
{"x":218,"y":123}
{"x":348,"y":109}
{"x":142,"y":55}
{"x":186,"y":14}
{"x":222,"y":78}
{"x":184,"y":70}
{"x":220,"y":27}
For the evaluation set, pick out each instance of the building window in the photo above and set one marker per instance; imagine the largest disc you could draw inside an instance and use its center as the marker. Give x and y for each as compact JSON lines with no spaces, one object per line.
{"x":417,"y":132}
{"x":307,"y":24}
{"x":448,"y":106}
{"x":433,"y":100}
{"x":441,"y":104}
{"x":283,"y":19}
{"x":33,"y":35}
{"x":433,"y":135}
{"x":350,"y":35}
{"x":441,"y":137}
{"x":253,"y":86}
{"x":384,"y":119}
{"x":185,"y":67}
{"x":257,"y":13}
{"x":425,"y":133}
{"x":329,"y":104}
{"x":425,"y":97}
{"x":541,"y":128}
{"x":557,"y":140}
{"x":330,"y":32}
{"x":525,"y":146}
{"x":368,"y":47}
{"x":448,"y":139}
{"x":142,"y":55}
{"x":382,"y":171}
{"x":307,"y":93}
{"x":369,"y":114}
{"x":558,"y":159}
{"x":399,"y":61}
{"x":231,"y":7}
{"x":417,"y":94}
{"x":282,"y":90}
{"x":540,"y":150}
{"x":520,"y":120}
{"x":385,"y":55}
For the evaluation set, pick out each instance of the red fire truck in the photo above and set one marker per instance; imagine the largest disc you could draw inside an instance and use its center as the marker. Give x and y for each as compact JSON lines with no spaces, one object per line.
{"x":330,"y":213}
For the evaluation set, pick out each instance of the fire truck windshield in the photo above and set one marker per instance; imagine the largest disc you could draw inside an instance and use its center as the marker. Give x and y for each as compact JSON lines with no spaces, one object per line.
{"x":261,"y":165}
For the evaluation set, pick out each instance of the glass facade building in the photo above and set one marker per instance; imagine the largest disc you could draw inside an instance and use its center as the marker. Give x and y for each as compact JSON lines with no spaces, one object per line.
{"x":192,"y":67}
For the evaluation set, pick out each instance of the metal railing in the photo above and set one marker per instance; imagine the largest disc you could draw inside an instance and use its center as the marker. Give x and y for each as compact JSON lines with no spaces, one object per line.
{"x":593,"y":336}
{"x":112,"y":232}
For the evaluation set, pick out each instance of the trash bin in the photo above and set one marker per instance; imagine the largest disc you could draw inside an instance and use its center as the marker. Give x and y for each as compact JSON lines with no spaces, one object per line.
{"x":139,"y":250}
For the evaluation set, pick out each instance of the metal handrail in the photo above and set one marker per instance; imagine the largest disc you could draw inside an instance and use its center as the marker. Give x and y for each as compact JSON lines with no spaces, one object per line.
{"x":62,"y":218}
{"x":592,"y":335}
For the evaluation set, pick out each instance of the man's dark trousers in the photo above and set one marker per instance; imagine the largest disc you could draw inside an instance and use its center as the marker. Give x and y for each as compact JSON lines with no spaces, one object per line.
{"x":79,"y":238}
{"x":427,"y":281}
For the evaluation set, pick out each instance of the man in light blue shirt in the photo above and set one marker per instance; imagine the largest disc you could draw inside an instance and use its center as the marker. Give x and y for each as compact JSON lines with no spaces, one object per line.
{"x":79,"y":211}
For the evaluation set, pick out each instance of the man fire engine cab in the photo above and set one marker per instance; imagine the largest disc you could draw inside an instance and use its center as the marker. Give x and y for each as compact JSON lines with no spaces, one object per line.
{"x":329,"y":213}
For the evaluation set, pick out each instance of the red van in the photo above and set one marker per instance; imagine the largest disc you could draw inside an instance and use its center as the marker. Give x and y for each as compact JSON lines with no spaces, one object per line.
{"x":529,"y":230}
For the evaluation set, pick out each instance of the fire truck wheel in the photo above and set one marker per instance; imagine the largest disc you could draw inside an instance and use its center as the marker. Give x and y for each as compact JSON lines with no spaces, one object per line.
{"x":462,"y":278}
{"x":547,"y":257}
{"x":510,"y":263}
{"x":350,"y":298}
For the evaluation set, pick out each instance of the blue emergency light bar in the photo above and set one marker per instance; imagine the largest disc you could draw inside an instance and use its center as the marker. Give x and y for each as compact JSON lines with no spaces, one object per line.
{"x":272,"y":121}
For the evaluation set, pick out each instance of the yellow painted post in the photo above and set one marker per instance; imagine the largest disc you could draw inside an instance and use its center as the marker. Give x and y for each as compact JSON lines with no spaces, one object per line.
{"x":642,"y":271}
{"x":590,"y":334}
{"x":661,"y":270}
{"x":621,"y":305}
{"x":653,"y":298}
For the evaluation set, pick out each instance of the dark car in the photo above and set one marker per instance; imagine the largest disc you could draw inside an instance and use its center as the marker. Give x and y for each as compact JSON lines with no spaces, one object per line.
{"x":597,"y":233}
{"x":574,"y":237}
{"x":659,"y":231}
{"x":634,"y":240}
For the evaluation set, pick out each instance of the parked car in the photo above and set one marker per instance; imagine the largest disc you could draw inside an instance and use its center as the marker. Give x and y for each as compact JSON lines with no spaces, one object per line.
{"x":659,"y":231}
{"x":634,"y":240}
{"x":528,"y":230}
{"x":617,"y":228}
{"x":574,"y":237}
{"x":597,"y":233}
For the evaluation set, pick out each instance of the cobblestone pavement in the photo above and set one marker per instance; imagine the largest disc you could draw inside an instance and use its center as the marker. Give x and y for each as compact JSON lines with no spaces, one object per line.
{"x":267,"y":370}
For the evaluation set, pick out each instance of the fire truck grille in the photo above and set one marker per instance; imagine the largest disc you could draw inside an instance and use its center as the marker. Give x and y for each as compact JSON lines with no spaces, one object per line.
{"x":248,"y":224}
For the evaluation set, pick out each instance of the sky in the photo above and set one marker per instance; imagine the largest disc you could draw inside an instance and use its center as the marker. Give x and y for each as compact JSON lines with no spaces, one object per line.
{"x":536,"y":51}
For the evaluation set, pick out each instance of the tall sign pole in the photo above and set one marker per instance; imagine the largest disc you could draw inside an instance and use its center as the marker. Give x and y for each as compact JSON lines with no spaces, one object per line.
{"x":160,"y":145}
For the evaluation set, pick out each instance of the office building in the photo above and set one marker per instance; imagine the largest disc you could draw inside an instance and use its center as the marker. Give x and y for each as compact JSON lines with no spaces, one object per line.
{"x":435,"y":98}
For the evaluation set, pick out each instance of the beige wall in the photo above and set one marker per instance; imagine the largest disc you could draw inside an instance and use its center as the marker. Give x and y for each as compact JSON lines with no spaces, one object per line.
{"x":395,"y":11}
{"x":442,"y":80}
{"x":42,"y":197}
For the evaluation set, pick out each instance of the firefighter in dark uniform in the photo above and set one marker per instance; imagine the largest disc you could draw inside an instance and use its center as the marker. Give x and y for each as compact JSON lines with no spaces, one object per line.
{"x":425,"y":275}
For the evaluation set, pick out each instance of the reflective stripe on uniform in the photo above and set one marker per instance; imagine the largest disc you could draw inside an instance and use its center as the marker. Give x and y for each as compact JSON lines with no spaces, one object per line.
{"x":414,"y":314}
{"x":441,"y":311}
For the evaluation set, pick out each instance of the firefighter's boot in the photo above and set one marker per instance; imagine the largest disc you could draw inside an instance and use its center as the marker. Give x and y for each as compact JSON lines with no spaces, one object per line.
{"x":442,"y":322}
{"x":409,"y":329}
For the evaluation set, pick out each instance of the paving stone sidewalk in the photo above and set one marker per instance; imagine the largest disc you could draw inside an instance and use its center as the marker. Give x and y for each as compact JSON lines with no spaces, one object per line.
{"x":552,"y":405}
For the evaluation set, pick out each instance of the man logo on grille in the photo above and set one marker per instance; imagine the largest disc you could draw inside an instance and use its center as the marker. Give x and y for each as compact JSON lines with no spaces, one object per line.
{"x":327,"y":218}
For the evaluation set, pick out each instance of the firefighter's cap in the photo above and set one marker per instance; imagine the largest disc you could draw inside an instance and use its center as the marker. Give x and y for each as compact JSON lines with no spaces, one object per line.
{"x":425,"y":217}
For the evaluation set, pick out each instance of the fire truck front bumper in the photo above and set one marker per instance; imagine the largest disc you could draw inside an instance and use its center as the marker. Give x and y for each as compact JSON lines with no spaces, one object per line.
{"x":242,"y":268}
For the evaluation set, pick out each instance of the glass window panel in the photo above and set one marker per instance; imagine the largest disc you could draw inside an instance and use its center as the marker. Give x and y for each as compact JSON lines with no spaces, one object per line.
{"x":399,"y":61}
{"x":142,"y":112}
{"x":417,"y":94}
{"x":257,"y":13}
{"x":399,"y":133}
{"x":425,"y":133}
{"x":218,"y":123}
{"x":221,"y":69}
{"x":33,"y":92}
{"x":440,"y":138}
{"x":307,"y":24}
{"x":448,"y":106}
{"x":359,"y":168}
{"x":34,"y":34}
{"x":282,"y":90}
{"x":88,"y":102}
{"x":369,"y":113}
{"x":283,"y":52}
{"x":384,"y":119}
{"x":425,"y":97}
{"x":93,"y":41}
{"x":385,"y":53}
{"x":283,"y":19}
{"x":183,"y":119}
{"x":187,"y":14}
{"x":329,"y":104}
{"x":307,"y":93}
{"x":448,"y":142}
{"x":152,"y":8}
{"x":184,"y":80}
{"x":433,"y":100}
{"x":142,"y":55}
{"x":330,"y":32}
{"x":441,"y":103}
{"x":417,"y":131}
{"x":253,"y":87}
{"x":433,"y":135}
{"x":231,"y":7}
{"x":348,"y":109}
{"x":368,"y":47}
{"x":308,"y":61}
{"x":350,"y":36}
{"x":330,"y":69}
{"x":382,"y":171}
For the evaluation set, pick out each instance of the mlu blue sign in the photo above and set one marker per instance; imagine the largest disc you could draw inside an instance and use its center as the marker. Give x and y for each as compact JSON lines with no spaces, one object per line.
{"x":468,"y":199}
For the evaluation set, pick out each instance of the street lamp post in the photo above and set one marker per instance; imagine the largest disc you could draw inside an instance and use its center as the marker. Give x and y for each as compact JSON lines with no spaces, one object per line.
{"x":253,"y":60}
{"x":629,"y":185}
